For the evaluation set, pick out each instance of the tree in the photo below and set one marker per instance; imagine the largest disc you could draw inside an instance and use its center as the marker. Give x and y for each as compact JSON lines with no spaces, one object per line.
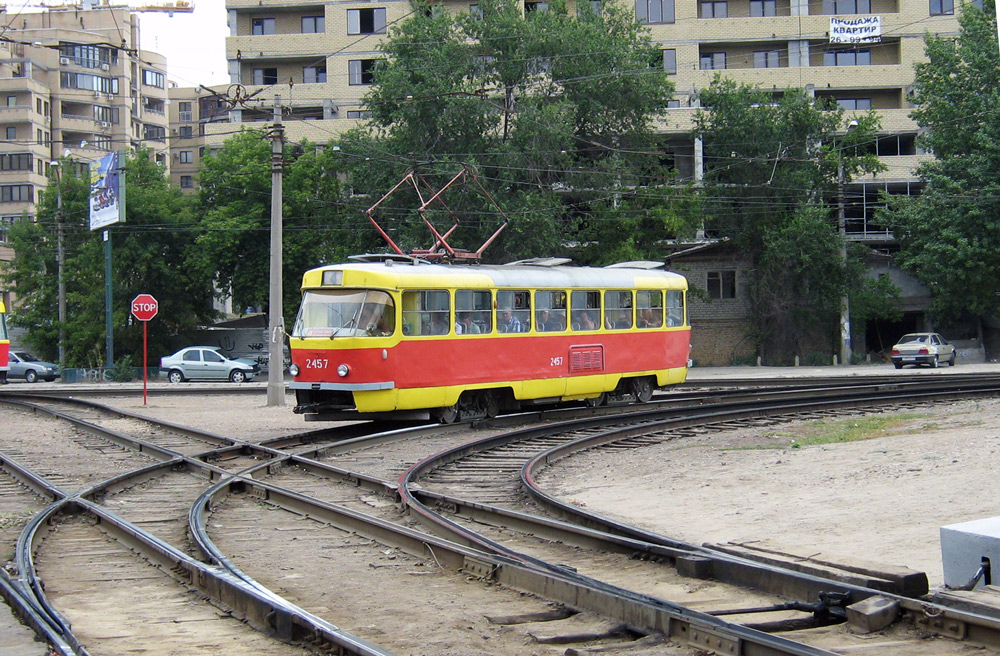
{"x":555,"y":112}
{"x":772,"y":166}
{"x":233,"y":240}
{"x":950,"y":234}
{"x":149,"y":253}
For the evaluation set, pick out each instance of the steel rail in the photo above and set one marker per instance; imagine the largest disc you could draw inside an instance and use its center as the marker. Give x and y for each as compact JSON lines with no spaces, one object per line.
{"x":725,"y":567}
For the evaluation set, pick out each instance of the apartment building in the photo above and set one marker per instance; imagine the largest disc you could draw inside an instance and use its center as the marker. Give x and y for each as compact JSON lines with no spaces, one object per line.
{"x":73,"y":82}
{"x":318,"y":56}
{"x":191,"y":111}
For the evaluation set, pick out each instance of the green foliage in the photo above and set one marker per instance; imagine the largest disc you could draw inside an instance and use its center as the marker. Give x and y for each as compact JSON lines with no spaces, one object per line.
{"x":950,"y":234}
{"x":234,"y":232}
{"x":554,"y":112}
{"x":773,"y":166}
{"x":124,"y":369}
{"x":149,"y":252}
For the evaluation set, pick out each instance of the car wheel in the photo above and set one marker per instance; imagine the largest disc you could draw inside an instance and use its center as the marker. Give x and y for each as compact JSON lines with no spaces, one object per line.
{"x":175,"y":376}
{"x":898,"y":365}
{"x":951,"y":362}
{"x":936,"y":362}
{"x":31,"y":376}
{"x":237,"y":376}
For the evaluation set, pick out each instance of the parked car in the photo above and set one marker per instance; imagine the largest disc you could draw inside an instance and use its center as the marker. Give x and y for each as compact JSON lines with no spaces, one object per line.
{"x":922,"y":348}
{"x":25,"y":365}
{"x":207,"y":362}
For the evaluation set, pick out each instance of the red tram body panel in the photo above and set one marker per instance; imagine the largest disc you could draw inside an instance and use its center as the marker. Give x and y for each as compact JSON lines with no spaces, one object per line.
{"x":389,"y":337}
{"x":4,"y":344}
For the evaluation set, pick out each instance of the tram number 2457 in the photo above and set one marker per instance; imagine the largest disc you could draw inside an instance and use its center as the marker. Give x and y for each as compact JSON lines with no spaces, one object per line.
{"x":557,"y":361}
{"x":317,"y":363}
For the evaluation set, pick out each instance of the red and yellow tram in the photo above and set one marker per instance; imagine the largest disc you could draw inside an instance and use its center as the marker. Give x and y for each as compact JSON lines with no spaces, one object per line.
{"x":4,"y":344}
{"x":395,"y":334}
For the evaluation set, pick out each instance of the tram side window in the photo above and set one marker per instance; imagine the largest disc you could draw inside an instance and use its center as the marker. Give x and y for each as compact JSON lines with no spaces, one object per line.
{"x":586,"y":309}
{"x":649,"y":308}
{"x":675,"y":308}
{"x":550,"y":311}
{"x":513,"y":311}
{"x":426,"y":313}
{"x":473,"y":312}
{"x":617,"y":310}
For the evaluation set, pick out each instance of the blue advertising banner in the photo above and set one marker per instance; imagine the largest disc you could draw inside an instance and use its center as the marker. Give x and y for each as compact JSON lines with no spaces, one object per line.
{"x":107,"y":191}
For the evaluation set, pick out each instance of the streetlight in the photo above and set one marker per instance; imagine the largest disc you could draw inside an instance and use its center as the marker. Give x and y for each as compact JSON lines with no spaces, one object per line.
{"x":845,"y":303}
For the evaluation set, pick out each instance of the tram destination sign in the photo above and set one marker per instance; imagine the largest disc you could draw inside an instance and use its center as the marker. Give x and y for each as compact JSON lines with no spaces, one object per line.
{"x":144,"y":307}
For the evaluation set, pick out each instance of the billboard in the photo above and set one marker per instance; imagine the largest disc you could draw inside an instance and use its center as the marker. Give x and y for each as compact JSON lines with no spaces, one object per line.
{"x":863,"y":29}
{"x":107,"y":191}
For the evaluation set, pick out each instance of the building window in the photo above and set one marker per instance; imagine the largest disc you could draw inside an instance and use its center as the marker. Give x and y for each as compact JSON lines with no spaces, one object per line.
{"x":11,"y":133}
{"x":314,"y":74}
{"x":16,"y":194}
{"x":713,"y":61}
{"x":366,"y":21}
{"x":12,"y":101}
{"x":654,"y":11}
{"x":6,"y":223}
{"x":361,"y":71}
{"x":187,"y":156}
{"x":847,"y":6}
{"x":722,"y":284}
{"x":15,"y":162}
{"x":715,"y":9}
{"x":313,"y":24}
{"x":152,"y":78}
{"x":360,"y":114}
{"x":767,"y":59}
{"x":89,"y":82}
{"x":673,"y":104}
{"x":265,"y":76}
{"x":759,"y":8}
{"x":670,"y":61}
{"x":187,"y":182}
{"x":942,"y":7}
{"x":154,"y":133}
{"x":185,"y":132}
{"x":535,"y":6}
{"x":847,"y":58}
{"x":185,"y":111}
{"x":861,"y":104}
{"x":262,"y":26}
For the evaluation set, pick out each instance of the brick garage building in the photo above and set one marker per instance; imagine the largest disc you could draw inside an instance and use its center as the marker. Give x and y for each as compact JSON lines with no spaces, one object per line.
{"x":718,"y":306}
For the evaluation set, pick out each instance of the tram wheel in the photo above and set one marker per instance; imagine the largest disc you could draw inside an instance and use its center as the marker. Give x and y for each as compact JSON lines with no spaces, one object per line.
{"x":642,"y":388}
{"x":492,"y":404}
{"x":598,"y":401}
{"x":447,"y":414}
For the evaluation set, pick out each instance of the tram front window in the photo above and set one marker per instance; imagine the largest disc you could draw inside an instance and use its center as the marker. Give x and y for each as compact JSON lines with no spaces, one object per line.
{"x":345,"y":313}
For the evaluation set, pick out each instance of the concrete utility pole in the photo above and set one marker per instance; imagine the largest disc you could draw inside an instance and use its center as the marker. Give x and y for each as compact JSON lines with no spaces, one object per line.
{"x":276,"y":322}
{"x":60,"y":263}
{"x":845,"y":305}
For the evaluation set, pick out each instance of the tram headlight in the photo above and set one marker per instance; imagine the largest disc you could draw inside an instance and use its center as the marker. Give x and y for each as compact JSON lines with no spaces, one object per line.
{"x":343,"y":370}
{"x":294,"y":370}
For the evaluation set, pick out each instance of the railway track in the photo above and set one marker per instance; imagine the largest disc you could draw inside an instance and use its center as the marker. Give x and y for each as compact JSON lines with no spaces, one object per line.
{"x":341,"y":490}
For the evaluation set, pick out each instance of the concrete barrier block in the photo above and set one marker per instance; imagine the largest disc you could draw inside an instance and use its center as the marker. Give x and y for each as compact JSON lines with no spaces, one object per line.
{"x":963,"y":547}
{"x":872,"y":614}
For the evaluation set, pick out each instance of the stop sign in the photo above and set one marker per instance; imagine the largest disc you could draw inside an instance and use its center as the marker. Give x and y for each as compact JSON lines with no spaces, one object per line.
{"x":144,"y":307}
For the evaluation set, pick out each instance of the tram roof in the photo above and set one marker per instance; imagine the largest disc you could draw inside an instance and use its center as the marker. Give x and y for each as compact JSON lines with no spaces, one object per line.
{"x":410,"y":274}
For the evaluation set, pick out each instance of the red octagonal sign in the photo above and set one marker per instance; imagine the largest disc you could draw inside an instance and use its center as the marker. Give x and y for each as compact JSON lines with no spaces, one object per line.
{"x":144,"y":307}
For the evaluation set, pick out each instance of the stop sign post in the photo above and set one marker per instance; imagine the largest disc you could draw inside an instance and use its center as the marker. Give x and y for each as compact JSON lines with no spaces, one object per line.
{"x":144,"y":308}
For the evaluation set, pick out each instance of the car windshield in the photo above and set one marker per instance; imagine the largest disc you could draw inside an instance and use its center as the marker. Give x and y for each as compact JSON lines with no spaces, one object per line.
{"x":343,"y":312}
{"x":913,"y":339}
{"x":27,"y":357}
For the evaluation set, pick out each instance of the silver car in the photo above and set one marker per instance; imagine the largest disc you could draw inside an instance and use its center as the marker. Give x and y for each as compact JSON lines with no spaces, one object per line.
{"x":207,"y":362}
{"x":922,"y":348}
{"x":25,"y":365}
